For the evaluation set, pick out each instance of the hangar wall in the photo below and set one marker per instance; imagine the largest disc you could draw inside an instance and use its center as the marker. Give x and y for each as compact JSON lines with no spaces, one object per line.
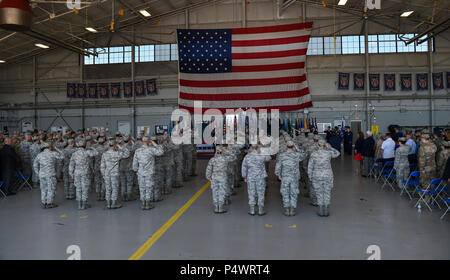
{"x":52,"y":70}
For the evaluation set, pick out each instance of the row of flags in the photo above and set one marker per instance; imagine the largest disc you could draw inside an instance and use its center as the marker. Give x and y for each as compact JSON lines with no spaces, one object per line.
{"x":113,"y":90}
{"x":298,"y":124}
{"x":389,"y":81}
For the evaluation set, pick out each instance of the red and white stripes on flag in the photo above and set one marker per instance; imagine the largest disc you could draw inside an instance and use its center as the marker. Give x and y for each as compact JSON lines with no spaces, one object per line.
{"x":268,"y":72}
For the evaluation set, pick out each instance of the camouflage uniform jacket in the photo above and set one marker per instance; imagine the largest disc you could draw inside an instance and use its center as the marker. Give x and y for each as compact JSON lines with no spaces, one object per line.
{"x":144,"y":159}
{"x":288,"y":164}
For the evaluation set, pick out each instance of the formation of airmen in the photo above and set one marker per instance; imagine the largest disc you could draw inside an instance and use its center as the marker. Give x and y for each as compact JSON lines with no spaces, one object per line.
{"x":305,"y":157}
{"x":110,"y":165}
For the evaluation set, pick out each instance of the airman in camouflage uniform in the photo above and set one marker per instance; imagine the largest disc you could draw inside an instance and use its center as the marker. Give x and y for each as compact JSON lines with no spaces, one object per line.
{"x":168,"y":163}
{"x":69,"y":187}
{"x":144,"y":166}
{"x":35,"y":149}
{"x":99,"y":183}
{"x":442,"y":157}
{"x":321,"y":174}
{"x":187,"y":160}
{"x":79,"y":170}
{"x":126,"y":171}
{"x":288,"y":171}
{"x":155,"y":193}
{"x":60,"y":143}
{"x":401,"y":162}
{"x":109,"y":167}
{"x":178,"y":168}
{"x":216,"y":172}
{"x":254,"y":174}
{"x":310,"y":146}
{"x":44,"y":166}
{"x":24,"y":153}
{"x":426,"y":160}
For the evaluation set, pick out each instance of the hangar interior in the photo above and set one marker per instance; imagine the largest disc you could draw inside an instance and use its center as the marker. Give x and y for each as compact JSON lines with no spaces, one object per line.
{"x":128,"y":46}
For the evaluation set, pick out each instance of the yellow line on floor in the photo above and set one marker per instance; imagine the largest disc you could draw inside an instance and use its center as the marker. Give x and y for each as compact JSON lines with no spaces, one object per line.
{"x":149,"y":243}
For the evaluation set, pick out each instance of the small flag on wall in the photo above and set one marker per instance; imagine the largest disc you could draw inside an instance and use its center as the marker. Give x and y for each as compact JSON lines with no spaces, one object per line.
{"x":71,"y":89}
{"x":82,"y":93}
{"x":344,"y":81}
{"x":151,"y":86}
{"x":438,"y":82}
{"x":406,"y":82}
{"x":389,"y":82}
{"x":422,"y":81}
{"x":139,"y":88}
{"x":358,"y":80}
{"x":128,"y":89}
{"x":92,"y":91}
{"x":374,"y":82}
{"x":104,"y":90}
{"x":115,"y":90}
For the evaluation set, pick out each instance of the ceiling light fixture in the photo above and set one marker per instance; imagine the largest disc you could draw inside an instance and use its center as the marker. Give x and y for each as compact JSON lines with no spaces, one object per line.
{"x":145,"y":13}
{"x":2,"y":61}
{"x":406,"y":14}
{"x":42,"y":46}
{"x":90,"y":29}
{"x":342,"y":2}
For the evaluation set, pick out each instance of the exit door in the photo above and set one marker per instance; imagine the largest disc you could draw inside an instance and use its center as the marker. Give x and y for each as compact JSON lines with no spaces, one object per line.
{"x":355,"y":127}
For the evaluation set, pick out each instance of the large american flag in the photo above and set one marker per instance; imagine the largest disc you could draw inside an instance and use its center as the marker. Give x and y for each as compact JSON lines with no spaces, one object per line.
{"x":257,"y":67}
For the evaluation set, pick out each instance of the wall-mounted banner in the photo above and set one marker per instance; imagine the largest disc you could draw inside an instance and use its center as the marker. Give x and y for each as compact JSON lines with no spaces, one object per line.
{"x":448,"y":80}
{"x":406,"y":82}
{"x":139,"y":88}
{"x":92,"y":91}
{"x":389,"y":82}
{"x":422,"y":81}
{"x":82,"y":92}
{"x":438,"y":82}
{"x":358,"y":81}
{"x":374,"y":82}
{"x":344,"y":81}
{"x":151,"y":86}
{"x":128,"y":89}
{"x":71,"y":90}
{"x":115,"y":90}
{"x":104,"y":90}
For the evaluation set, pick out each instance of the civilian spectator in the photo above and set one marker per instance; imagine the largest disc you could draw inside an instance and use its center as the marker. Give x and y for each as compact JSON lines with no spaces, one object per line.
{"x":8,"y":164}
{"x":368,"y":152}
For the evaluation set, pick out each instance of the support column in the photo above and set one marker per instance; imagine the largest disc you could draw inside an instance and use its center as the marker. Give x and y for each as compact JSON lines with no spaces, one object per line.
{"x":35,"y":92}
{"x":81,"y":63}
{"x":186,"y":12}
{"x":368,"y":121}
{"x":244,"y":13}
{"x":430,"y":83}
{"x":133,"y":65}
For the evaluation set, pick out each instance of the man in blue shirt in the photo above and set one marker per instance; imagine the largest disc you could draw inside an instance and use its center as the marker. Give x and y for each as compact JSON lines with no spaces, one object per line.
{"x":412,"y":154}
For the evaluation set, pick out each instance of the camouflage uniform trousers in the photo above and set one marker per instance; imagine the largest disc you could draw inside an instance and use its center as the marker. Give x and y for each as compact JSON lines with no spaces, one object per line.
{"x":48,"y":189}
{"x":59,"y":168}
{"x":82,"y":184}
{"x":322,"y":188}
{"x":69,"y":187}
{"x":126,"y":182}
{"x":178,"y":171}
{"x":289,"y":191}
{"x":187,"y":164}
{"x":402,"y":174}
{"x":256,"y":189}
{"x":99,"y":183}
{"x":312,"y":191}
{"x":167,"y":179}
{"x":158,"y":179}
{"x":111,"y":187}
{"x":219,"y":189}
{"x":426,"y":174}
{"x":146,"y":184}
{"x":229,"y":181}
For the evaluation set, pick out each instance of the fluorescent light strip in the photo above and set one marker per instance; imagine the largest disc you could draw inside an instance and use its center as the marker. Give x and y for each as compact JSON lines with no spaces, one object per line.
{"x":90,"y":29}
{"x":406,"y":14}
{"x":2,"y":61}
{"x":42,"y":46}
{"x":145,"y":13}
{"x":342,"y":2}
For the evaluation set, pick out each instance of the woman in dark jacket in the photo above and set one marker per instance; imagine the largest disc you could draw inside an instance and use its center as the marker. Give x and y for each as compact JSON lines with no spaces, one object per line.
{"x":368,"y":152}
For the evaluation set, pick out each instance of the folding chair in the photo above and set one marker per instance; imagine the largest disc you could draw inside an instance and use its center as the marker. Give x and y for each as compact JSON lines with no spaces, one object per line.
{"x":429,"y":191}
{"x":374,"y":168}
{"x":389,"y":178}
{"x":23,"y":180}
{"x":1,"y":192}
{"x":387,"y":168}
{"x":447,"y":203}
{"x":411,"y":182}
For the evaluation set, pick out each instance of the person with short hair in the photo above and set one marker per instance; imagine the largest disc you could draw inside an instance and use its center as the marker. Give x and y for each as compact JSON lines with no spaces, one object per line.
{"x":8,"y":164}
{"x":412,"y":153}
{"x":368,"y":152}
{"x":388,"y":149}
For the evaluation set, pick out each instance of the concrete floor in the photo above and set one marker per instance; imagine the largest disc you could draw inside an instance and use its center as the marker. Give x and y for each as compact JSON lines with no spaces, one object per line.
{"x":361,"y":215}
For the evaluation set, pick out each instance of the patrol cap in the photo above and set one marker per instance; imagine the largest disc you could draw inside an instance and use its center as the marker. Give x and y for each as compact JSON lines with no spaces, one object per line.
{"x":70,"y":141}
{"x":88,"y":129}
{"x":153,"y":138}
{"x":310,"y":136}
{"x":101,"y":140}
{"x":446,"y":143}
{"x":317,"y":137}
{"x":106,"y":129}
{"x":426,"y":136}
{"x":81,"y":143}
{"x":35,"y":138}
{"x":322,"y":142}
{"x":425,"y":131}
{"x":219,"y":148}
{"x":145,"y":139}
{"x":402,"y":139}
{"x":290,"y":144}
{"x":45,"y":145}
{"x":102,"y":134}
{"x":126,"y":138}
{"x":88,"y":138}
{"x":111,"y":142}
